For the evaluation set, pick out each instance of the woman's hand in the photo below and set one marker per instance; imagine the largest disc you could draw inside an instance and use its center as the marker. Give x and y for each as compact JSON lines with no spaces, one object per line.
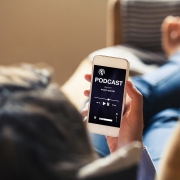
{"x":131,"y":127}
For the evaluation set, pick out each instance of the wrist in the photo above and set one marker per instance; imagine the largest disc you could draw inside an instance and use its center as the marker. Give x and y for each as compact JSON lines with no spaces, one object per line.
{"x":128,"y":141}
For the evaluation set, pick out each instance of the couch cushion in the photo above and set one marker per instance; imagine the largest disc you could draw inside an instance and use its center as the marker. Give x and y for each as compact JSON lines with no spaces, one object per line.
{"x":137,"y":67}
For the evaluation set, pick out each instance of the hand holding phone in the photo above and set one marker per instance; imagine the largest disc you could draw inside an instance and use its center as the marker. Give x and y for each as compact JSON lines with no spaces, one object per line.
{"x":132,"y":121}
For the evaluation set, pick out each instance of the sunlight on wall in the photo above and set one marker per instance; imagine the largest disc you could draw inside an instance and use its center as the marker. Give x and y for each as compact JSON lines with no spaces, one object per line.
{"x":58,"y":32}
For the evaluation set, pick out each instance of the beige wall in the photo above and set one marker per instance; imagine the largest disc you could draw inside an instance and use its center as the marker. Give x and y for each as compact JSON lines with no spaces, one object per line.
{"x":59,"y":32}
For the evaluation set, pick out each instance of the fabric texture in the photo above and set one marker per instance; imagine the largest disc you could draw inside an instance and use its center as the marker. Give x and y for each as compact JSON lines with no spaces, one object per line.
{"x":129,"y":173}
{"x":121,"y":164}
{"x":141,"y":61}
{"x":142,"y":21}
{"x":146,"y":169}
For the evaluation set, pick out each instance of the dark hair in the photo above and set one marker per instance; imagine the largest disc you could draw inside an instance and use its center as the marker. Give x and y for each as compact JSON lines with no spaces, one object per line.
{"x":42,"y":135}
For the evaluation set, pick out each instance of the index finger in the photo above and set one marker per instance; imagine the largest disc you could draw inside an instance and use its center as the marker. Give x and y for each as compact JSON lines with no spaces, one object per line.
{"x":88,"y":77}
{"x":136,"y":97}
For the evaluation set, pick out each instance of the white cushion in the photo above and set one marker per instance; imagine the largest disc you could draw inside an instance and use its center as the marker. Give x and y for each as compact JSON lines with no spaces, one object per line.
{"x":137,"y":67}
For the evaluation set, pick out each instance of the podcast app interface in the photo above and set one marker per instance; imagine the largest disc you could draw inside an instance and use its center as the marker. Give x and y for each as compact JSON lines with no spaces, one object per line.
{"x":107,"y":96}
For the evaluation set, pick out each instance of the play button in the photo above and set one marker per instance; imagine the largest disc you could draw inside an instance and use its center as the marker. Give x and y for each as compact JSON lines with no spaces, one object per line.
{"x":104,"y":103}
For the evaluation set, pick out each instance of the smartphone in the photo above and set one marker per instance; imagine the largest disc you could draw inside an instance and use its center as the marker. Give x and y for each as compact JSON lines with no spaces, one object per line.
{"x":107,"y":97}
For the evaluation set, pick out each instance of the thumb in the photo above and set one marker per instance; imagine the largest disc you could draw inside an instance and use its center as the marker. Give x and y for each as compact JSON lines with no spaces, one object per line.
{"x":136,"y":98}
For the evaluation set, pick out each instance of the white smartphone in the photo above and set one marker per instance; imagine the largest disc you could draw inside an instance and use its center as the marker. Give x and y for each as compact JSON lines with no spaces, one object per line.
{"x":107,"y":96}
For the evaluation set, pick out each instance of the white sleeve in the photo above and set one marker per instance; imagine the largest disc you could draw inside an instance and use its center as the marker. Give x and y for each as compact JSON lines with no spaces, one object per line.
{"x":146,"y":169}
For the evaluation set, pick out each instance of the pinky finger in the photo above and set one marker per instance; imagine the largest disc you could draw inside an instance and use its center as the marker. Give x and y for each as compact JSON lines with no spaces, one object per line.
{"x":85,"y":121}
{"x":84,"y":112}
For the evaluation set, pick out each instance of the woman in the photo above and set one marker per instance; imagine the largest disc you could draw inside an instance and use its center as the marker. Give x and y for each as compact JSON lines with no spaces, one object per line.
{"x":42,"y":135}
{"x":161,"y":94}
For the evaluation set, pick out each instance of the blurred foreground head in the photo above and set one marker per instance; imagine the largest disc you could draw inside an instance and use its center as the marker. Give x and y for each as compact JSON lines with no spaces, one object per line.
{"x":42,"y":135}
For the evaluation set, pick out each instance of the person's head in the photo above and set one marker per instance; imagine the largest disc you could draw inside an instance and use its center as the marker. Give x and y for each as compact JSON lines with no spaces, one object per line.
{"x":42,"y":135}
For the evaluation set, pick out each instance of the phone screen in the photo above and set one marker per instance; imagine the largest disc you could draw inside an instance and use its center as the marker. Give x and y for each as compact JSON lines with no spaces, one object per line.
{"x":107,"y":96}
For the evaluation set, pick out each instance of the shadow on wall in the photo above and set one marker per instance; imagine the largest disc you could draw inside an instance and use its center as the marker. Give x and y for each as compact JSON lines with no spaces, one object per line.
{"x":58,"y":32}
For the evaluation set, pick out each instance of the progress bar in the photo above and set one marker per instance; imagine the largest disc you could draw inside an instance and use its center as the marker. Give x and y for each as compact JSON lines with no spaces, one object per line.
{"x":104,"y":119}
{"x":106,"y":99}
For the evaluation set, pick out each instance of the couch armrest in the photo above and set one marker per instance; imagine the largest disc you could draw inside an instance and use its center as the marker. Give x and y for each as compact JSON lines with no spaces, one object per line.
{"x":76,"y":84}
